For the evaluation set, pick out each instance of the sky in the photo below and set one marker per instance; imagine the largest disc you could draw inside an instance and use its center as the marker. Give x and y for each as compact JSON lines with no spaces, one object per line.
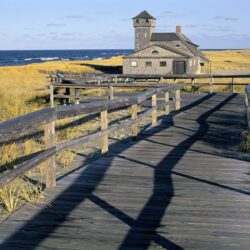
{"x":107,"y":24}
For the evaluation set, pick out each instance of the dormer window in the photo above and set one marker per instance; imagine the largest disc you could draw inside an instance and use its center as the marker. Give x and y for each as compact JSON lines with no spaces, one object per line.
{"x":137,"y":21}
{"x":147,"y":21}
{"x":178,"y":45}
{"x":155,"y":52}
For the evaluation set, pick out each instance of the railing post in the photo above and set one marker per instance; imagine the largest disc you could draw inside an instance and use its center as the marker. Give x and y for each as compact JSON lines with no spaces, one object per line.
{"x":154,"y":112}
{"x":49,"y":140}
{"x":77,"y":93}
{"x":232,"y":84}
{"x":211,"y":85}
{"x":51,"y":89}
{"x":247,"y":109}
{"x":134,"y":129}
{"x":167,"y":109}
{"x":193,"y":81}
{"x":111,"y":93}
{"x":67,"y":92}
{"x":177,"y":99}
{"x":104,"y":138}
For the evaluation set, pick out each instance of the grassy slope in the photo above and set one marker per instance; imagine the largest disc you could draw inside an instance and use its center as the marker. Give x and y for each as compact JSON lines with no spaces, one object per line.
{"x":229,"y":60}
{"x":20,"y":84}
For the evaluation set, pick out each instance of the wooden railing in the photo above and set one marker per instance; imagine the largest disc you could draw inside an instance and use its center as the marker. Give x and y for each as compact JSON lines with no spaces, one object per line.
{"x":184,"y":79}
{"x":15,"y":128}
{"x":248,"y":105}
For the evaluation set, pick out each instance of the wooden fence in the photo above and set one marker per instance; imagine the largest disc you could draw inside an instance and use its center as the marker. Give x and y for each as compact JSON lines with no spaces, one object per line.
{"x":184,"y":79}
{"x":248,"y":105}
{"x":15,"y":128}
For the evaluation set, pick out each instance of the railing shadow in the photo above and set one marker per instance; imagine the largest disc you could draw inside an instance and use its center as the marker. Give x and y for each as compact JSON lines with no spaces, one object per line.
{"x":143,"y":229}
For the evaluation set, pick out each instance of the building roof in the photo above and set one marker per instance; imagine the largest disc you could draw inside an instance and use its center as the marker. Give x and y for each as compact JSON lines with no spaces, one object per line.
{"x":164,"y":37}
{"x":144,"y":15}
{"x":163,"y":47}
{"x":193,"y":48}
{"x":171,"y":36}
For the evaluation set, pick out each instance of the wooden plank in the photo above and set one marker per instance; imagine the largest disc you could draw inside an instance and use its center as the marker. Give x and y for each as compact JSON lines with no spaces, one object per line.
{"x":111,"y":93}
{"x":180,"y":183}
{"x":51,"y":87}
{"x":167,"y":107}
{"x":177,"y":100}
{"x":104,"y":138}
{"x":49,"y":140}
{"x":14,"y":128}
{"x":134,"y":129}
{"x":26,"y":166}
{"x":154,"y":112}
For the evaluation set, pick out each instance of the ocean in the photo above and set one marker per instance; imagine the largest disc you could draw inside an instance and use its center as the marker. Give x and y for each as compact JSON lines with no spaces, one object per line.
{"x":24,"y":57}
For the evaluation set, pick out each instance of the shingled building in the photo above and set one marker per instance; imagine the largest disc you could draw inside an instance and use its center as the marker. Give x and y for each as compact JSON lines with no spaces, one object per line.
{"x":163,"y":53}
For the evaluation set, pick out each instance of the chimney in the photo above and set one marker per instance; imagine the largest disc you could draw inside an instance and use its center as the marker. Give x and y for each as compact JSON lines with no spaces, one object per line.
{"x":178,"y":29}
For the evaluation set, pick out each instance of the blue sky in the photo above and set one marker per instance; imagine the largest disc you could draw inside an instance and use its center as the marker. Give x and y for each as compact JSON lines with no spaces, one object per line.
{"x":99,"y":24}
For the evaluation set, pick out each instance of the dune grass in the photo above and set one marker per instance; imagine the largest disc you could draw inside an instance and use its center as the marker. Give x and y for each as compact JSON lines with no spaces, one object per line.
{"x":236,"y":60}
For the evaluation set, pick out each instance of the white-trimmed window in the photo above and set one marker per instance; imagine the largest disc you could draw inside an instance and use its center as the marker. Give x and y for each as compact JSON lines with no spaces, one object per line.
{"x":134,"y":64}
{"x":155,"y":52}
{"x":163,"y":64}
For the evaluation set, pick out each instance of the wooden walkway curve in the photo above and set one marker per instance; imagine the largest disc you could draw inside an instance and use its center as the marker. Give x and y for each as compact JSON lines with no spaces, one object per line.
{"x":179,"y":187}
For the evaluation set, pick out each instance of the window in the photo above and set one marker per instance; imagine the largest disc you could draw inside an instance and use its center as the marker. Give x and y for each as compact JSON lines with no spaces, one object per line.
{"x":148,"y":64}
{"x":134,"y":64}
{"x":191,"y":63}
{"x":163,"y":64}
{"x":147,"y":21}
{"x":137,"y":20}
{"x":155,"y":52}
{"x":178,"y":45}
{"x":202,"y":64}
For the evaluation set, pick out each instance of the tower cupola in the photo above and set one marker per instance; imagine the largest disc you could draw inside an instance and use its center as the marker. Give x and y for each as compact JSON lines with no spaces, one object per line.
{"x":144,"y":25}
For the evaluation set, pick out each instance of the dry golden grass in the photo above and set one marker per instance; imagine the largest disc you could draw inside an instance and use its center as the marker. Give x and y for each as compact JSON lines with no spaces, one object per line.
{"x":19,"y":85}
{"x":236,"y":60}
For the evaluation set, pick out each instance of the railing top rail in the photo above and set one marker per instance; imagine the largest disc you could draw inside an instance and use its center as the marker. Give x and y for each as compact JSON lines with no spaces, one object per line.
{"x":190,"y":76}
{"x":76,"y":84}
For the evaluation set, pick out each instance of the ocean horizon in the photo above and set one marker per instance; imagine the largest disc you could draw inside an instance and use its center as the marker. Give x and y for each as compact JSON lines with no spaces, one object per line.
{"x":25,"y":57}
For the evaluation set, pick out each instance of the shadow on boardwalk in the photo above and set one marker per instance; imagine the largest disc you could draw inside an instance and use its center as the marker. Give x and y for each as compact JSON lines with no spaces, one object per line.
{"x":143,"y":229}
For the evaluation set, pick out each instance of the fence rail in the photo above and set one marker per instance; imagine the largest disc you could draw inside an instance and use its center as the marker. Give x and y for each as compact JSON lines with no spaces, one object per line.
{"x":15,"y":128}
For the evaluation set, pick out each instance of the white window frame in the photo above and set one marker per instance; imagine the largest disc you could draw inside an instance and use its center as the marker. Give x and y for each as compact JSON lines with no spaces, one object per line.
{"x":134,"y":64}
{"x":166,"y":64}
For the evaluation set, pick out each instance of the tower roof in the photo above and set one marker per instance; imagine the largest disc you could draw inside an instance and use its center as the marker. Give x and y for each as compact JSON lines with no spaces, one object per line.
{"x":144,"y":15}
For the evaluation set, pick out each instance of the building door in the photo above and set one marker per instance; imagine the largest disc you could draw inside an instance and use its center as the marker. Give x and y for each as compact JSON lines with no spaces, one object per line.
{"x":179,"y":67}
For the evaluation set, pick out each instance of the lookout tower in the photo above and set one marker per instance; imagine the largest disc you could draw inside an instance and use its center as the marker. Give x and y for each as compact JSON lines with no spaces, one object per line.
{"x":144,"y":25}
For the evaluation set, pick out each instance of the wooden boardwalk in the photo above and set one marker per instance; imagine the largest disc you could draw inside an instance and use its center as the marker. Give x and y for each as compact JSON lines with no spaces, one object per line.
{"x":179,"y":187}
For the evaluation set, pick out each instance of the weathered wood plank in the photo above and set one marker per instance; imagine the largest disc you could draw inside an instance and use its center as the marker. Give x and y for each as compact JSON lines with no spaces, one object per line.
{"x":49,"y":140}
{"x":179,"y":187}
